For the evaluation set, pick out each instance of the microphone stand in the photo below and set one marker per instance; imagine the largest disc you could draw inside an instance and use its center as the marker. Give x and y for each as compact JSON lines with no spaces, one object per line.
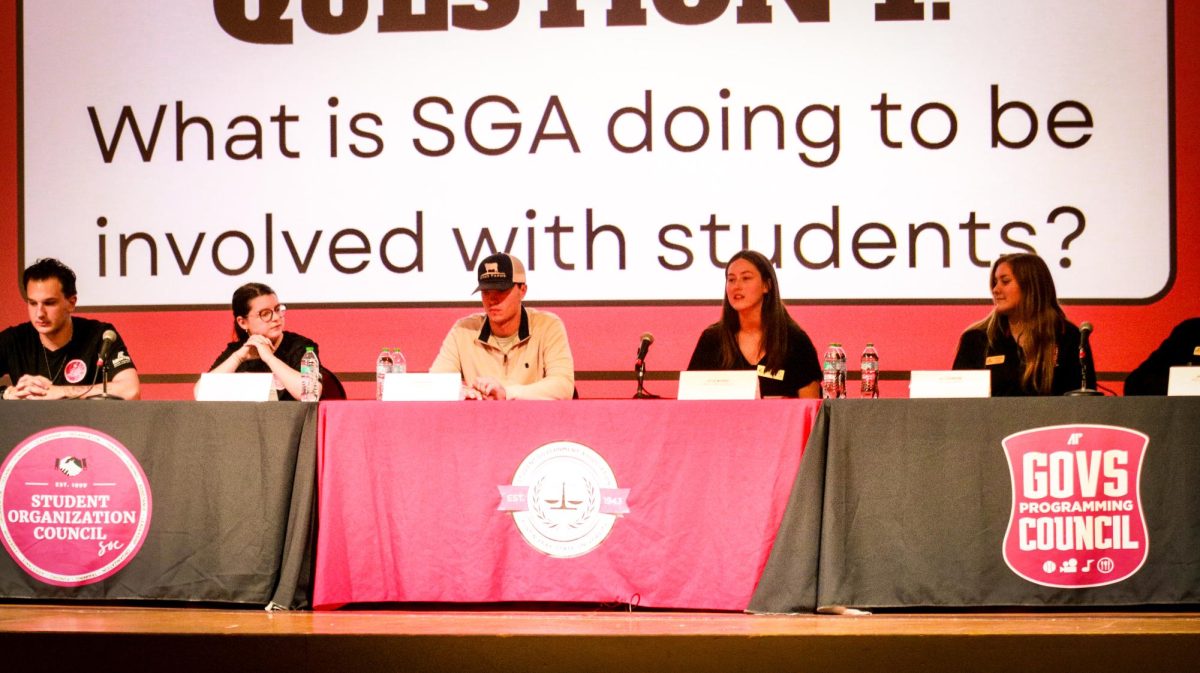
{"x":1084,"y":359}
{"x":104,"y":394}
{"x":641,"y":394}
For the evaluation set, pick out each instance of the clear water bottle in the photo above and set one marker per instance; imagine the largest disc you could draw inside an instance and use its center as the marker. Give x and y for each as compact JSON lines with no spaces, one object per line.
{"x":841,"y":371}
{"x":829,"y":376}
{"x":310,"y":376}
{"x":383,"y":367}
{"x":869,"y":366}
{"x":398,"y":364}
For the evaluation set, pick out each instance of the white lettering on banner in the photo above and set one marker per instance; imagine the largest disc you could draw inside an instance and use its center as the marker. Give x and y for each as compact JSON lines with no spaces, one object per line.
{"x":1072,"y":506}
{"x":616,"y":169}
{"x":71,"y":517}
{"x":1075,"y":533}
{"x":1064,"y":474}
{"x":90,"y":533}
{"x":70,"y":501}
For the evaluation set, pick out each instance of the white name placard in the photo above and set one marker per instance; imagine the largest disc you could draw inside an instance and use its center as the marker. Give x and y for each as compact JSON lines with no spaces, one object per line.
{"x":422,"y":387}
{"x":1184,"y":381}
{"x":950,"y":383}
{"x":741,"y":384}
{"x":242,"y":387}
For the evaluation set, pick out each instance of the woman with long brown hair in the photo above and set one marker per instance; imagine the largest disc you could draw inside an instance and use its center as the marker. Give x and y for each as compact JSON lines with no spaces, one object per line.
{"x":1026,"y":341}
{"x":756,"y":332}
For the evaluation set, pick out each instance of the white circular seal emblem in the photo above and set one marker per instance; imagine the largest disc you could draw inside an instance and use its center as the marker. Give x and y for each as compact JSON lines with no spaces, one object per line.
{"x":564,"y":499}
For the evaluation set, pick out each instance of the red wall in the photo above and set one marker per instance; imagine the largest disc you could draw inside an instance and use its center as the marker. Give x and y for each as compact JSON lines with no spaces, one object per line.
{"x":170,"y":348}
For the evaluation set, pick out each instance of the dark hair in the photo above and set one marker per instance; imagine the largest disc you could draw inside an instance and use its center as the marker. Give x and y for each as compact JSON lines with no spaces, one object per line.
{"x":1039,"y":310}
{"x":775,"y":319}
{"x":47,"y":268}
{"x":241,"y":304}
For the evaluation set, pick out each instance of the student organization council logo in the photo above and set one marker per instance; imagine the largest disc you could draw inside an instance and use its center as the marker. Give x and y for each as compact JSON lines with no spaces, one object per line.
{"x":75,"y":370}
{"x":1077,"y":518}
{"x":564,"y":499}
{"x":74,"y":506}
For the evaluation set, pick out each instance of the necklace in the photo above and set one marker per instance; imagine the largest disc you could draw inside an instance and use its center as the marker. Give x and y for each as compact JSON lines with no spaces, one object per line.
{"x":46,"y":357}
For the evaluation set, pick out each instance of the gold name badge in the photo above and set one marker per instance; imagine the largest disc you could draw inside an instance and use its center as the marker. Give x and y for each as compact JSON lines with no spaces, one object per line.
{"x":994,"y":360}
{"x":762,"y":371}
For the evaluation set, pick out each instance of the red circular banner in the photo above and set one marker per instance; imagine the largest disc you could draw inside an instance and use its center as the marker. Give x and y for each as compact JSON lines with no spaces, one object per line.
{"x":75,"y":506}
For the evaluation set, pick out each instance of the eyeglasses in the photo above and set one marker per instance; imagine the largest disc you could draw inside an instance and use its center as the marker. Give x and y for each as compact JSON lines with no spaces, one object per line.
{"x":266,"y":314}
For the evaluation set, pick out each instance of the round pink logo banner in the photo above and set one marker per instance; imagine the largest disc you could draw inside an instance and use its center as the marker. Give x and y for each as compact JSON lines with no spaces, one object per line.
{"x":75,"y":506}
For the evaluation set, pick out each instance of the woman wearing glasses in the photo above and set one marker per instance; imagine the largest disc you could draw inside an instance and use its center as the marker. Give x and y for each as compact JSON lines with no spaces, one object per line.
{"x":262,"y":345}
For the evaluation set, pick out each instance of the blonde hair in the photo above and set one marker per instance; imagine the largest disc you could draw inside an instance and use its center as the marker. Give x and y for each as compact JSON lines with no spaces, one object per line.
{"x":1038,"y":310}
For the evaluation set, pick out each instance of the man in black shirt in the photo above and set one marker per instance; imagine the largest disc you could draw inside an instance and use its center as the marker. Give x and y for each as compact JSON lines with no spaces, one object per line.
{"x":55,"y":355}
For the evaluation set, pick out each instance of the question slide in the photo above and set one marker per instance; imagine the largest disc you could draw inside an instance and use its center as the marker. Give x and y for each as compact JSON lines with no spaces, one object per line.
{"x":374,"y":151}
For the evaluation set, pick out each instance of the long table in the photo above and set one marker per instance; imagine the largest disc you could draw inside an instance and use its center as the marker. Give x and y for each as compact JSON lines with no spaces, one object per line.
{"x":231,"y":487}
{"x":918,"y":503}
{"x":666,"y":504}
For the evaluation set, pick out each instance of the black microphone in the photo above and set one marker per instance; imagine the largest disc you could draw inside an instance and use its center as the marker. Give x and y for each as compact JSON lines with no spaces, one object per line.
{"x":647,"y":339}
{"x":109,"y":338}
{"x":640,"y":368}
{"x":1085,"y":350}
{"x":1085,"y":361}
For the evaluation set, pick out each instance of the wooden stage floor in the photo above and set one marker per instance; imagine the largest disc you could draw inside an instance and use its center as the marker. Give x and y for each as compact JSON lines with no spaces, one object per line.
{"x":45,"y":638}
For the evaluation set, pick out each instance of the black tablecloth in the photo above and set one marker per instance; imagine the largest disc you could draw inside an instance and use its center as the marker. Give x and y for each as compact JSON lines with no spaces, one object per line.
{"x":905,"y":503}
{"x":233,"y":493}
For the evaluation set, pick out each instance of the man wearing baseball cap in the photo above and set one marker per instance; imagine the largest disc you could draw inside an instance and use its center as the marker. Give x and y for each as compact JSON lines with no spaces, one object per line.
{"x":508,"y":351}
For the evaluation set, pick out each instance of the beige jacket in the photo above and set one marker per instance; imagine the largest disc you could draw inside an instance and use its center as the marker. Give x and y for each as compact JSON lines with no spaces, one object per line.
{"x":539,"y":366}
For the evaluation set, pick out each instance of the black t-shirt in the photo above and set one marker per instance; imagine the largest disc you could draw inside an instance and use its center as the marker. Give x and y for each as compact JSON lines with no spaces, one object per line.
{"x":1182,"y":348}
{"x":291,"y":349}
{"x":21,"y":353}
{"x":1006,"y":361}
{"x":801,"y":366}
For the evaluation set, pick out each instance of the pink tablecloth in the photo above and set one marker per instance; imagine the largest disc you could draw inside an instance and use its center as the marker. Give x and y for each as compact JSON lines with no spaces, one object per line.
{"x":409,"y":500}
